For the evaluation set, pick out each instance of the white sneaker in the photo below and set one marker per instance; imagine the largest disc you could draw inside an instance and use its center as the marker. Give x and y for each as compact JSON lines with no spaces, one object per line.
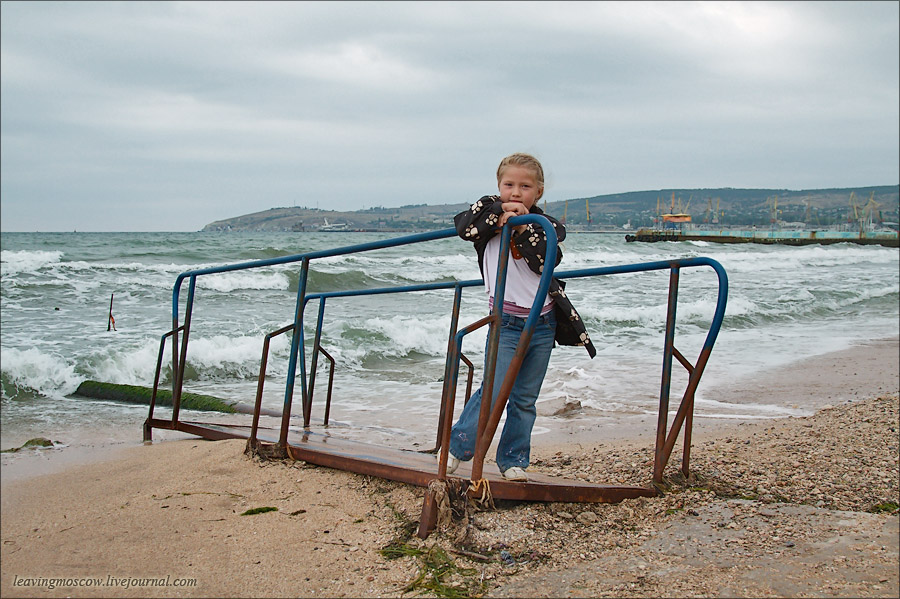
{"x":515,"y":473}
{"x":452,"y":462}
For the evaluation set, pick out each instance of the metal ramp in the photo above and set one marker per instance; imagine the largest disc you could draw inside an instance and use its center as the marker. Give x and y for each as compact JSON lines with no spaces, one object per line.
{"x":411,"y":467}
{"x":417,"y":467}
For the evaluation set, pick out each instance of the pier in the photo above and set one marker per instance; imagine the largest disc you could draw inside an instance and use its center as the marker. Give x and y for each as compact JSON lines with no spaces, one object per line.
{"x":885,"y":238}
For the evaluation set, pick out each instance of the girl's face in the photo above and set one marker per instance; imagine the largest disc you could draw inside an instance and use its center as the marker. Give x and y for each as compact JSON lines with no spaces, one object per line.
{"x":518,"y":184}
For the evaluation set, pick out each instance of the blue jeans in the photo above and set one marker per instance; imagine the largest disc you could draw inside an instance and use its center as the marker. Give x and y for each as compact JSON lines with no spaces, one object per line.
{"x":514,"y":448}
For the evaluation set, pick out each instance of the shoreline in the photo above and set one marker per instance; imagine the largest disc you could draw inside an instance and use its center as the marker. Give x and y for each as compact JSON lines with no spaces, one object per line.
{"x":837,"y":380}
{"x":803,"y":387}
{"x":775,"y":507}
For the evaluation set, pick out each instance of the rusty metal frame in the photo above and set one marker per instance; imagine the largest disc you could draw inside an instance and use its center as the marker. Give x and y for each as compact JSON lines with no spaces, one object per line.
{"x":408,"y":466}
{"x":666,"y":437}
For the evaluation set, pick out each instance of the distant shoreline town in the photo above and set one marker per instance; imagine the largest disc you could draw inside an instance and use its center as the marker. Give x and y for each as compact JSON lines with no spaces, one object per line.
{"x":835,"y":209}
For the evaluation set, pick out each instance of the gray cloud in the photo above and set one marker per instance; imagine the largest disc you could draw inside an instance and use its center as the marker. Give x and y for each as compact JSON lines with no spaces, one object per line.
{"x":168,"y":115}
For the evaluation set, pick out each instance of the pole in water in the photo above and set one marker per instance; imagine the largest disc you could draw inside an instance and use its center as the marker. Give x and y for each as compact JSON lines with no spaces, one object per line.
{"x":111,"y":322}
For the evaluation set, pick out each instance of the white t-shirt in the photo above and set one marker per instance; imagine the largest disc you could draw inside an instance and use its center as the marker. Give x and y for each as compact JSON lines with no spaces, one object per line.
{"x":521,"y":283}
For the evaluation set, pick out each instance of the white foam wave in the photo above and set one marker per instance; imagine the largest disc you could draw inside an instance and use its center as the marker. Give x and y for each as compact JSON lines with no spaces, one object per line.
{"x":430,"y":268}
{"x":130,"y":367}
{"x":712,"y":408}
{"x":872,"y":292}
{"x":140,"y":267}
{"x":13,"y":262}
{"x":232,"y":281}
{"x":154,"y":275}
{"x":419,"y":268}
{"x":741,"y":306}
{"x":34,"y":369}
{"x":220,"y":354}
{"x":408,"y":334}
{"x":643,"y":315}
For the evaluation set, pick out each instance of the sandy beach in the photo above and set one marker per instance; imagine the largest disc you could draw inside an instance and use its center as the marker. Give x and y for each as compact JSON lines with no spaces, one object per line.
{"x":800,"y":506}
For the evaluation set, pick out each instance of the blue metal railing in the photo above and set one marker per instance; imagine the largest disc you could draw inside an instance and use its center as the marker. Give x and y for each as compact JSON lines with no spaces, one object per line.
{"x":178,"y":363}
{"x":489,"y":417}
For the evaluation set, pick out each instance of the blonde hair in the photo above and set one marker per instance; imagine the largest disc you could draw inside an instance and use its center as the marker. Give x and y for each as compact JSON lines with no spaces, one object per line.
{"x":525,"y":161}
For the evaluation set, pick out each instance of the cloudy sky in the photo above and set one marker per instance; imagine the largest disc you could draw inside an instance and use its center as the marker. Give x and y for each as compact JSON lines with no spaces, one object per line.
{"x":165,"y":116}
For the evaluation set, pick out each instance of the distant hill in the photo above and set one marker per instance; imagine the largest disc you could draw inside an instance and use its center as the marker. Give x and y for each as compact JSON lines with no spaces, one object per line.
{"x":728,"y":206}
{"x":404,"y":218}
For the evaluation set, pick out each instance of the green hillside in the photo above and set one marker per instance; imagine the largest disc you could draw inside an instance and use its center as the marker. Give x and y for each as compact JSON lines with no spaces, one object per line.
{"x":728,"y":206}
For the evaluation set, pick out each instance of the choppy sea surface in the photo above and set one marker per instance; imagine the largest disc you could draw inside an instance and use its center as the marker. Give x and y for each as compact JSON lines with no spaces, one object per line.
{"x":784,"y":304}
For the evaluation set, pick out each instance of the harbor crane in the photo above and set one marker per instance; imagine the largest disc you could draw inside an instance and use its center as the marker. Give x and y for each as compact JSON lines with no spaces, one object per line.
{"x":853,"y":212}
{"x":868,"y":211}
{"x":806,"y":217}
{"x":712,"y":216}
{"x":772,"y":204}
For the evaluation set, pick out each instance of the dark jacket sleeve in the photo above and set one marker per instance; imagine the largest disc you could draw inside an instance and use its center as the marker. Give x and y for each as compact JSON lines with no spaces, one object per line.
{"x":479,"y":222}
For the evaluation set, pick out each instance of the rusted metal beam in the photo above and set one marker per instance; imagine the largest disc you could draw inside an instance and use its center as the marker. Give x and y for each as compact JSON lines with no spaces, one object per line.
{"x":666,"y":382}
{"x":261,"y":381}
{"x":412,"y":467}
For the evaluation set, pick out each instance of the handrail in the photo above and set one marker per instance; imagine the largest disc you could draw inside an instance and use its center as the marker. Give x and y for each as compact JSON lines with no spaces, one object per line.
{"x":363,"y":247}
{"x":694,"y":371}
{"x":665,"y":443}
{"x":489,"y":417}
{"x":722,"y":297}
{"x":296,"y":348}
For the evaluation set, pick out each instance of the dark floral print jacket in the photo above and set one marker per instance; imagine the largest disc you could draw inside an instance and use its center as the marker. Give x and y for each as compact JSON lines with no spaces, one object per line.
{"x":479,"y":223}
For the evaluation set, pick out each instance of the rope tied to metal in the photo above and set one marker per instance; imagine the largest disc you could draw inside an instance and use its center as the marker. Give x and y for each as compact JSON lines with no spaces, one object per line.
{"x":438,"y":488}
{"x":483,"y":486}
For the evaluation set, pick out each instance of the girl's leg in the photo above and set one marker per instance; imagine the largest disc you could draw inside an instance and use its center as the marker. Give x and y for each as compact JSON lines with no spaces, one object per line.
{"x":514,"y":448}
{"x":464,"y":432}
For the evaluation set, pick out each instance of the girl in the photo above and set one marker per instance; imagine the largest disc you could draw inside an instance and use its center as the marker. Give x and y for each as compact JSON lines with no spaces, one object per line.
{"x":520,"y":180}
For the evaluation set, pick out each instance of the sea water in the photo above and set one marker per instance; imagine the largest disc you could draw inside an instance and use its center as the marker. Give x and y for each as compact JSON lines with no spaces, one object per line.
{"x":784,"y":303}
